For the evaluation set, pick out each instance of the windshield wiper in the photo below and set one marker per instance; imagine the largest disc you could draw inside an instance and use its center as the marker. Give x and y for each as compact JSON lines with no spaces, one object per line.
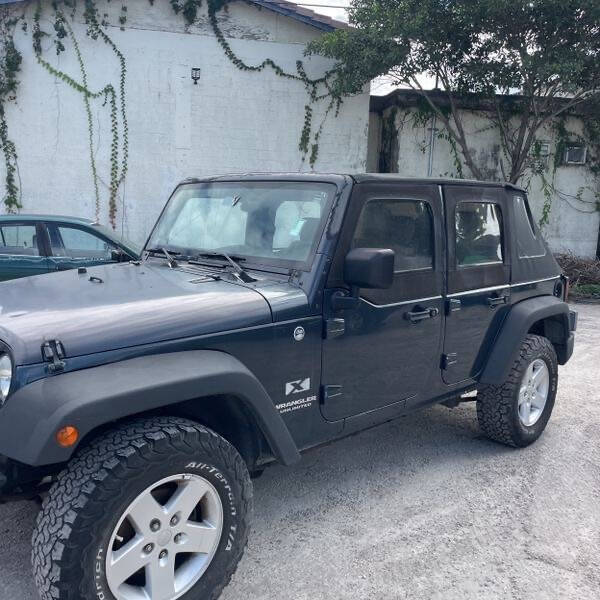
{"x":164,"y":252}
{"x":232,"y":260}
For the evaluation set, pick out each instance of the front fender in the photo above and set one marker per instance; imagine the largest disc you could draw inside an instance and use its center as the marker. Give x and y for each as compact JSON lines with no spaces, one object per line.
{"x":522,"y":316}
{"x":92,"y":397}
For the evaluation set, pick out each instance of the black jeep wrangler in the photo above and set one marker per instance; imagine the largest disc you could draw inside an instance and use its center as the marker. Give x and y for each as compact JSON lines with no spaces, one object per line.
{"x":269,"y":314}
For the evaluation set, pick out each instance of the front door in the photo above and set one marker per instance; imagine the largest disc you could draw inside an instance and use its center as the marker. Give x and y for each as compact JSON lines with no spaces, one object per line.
{"x":478,"y":296}
{"x":391,"y":342}
{"x":22,"y":252}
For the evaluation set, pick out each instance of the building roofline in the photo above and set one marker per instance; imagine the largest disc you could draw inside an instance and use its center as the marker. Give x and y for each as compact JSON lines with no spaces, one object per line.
{"x":283,"y":7}
{"x":300,"y":13}
{"x":408,"y":98}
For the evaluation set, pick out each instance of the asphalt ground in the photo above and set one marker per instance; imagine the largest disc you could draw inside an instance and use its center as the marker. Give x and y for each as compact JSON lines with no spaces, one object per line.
{"x":423,"y":507}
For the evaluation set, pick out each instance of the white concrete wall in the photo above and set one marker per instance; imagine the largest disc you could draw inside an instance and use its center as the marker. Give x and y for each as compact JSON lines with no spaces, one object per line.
{"x":231,"y":121}
{"x":574,"y":219}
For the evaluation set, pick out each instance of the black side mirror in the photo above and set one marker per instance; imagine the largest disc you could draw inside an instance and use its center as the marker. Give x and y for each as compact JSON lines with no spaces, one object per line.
{"x":365,"y":268}
{"x":369,"y":268}
{"x":117,"y":255}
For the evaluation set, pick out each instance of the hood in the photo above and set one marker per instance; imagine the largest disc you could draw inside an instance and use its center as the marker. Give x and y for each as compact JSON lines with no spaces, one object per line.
{"x":128,"y":305}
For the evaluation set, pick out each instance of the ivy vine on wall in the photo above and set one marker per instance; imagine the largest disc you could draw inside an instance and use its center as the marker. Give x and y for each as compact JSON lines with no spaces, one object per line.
{"x":10,"y":65}
{"x":65,"y":11}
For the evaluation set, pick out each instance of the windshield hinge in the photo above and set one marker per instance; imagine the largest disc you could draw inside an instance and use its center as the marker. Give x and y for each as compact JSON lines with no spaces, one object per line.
{"x":334,"y":328}
{"x":53,"y":352}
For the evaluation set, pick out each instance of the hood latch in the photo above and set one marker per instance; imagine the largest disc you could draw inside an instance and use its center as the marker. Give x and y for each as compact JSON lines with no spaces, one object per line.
{"x":53,"y":352}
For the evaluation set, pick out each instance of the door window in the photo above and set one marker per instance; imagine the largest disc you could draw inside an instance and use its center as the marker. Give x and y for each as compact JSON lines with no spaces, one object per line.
{"x":19,"y":240}
{"x":478,"y":234}
{"x":404,"y":226}
{"x":75,"y":243}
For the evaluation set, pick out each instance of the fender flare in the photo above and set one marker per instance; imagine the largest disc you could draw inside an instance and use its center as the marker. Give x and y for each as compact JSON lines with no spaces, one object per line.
{"x":520,"y":319}
{"x":93,"y":397}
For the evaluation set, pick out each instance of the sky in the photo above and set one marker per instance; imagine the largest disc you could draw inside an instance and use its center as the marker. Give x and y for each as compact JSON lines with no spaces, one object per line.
{"x":327,"y":8}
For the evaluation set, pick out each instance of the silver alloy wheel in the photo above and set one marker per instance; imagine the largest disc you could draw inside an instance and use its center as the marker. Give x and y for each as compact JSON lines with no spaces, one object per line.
{"x":165,"y":540}
{"x":534,"y":392}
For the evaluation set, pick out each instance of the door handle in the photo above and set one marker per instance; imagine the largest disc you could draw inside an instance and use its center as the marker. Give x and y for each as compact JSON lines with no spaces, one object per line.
{"x":61,"y":267}
{"x":496,"y":300}
{"x":421,"y":315}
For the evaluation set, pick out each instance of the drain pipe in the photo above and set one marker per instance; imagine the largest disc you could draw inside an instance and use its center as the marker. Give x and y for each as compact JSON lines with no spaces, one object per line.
{"x":431,"y":146}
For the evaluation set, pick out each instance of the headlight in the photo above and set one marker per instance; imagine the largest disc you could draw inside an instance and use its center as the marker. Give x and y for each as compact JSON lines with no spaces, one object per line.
{"x":6,"y":368}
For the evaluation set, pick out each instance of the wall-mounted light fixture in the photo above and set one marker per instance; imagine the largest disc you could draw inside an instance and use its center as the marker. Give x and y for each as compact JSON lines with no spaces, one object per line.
{"x":195,"y":75}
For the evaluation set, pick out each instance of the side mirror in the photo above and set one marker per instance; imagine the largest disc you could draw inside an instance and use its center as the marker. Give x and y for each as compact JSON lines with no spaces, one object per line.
{"x":117,"y":255}
{"x":369,"y":268}
{"x":365,"y":268}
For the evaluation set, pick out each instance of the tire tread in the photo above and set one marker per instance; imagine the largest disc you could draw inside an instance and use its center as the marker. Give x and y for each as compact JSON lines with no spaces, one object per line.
{"x":495,"y":403}
{"x":136,"y":442}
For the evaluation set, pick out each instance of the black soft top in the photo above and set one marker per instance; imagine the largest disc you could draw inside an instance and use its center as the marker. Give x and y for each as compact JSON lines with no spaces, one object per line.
{"x":394,"y":178}
{"x":338,"y":178}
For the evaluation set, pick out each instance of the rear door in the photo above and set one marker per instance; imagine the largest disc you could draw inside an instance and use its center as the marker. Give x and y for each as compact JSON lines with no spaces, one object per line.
{"x":73,"y":246}
{"x":22,"y":251}
{"x":478,"y":289}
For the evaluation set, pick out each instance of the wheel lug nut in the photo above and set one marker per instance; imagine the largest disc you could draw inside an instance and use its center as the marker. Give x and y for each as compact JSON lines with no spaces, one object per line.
{"x":163,"y":554}
{"x":148,"y":548}
{"x":174,"y":520}
{"x":154,"y":525}
{"x":178,"y":538}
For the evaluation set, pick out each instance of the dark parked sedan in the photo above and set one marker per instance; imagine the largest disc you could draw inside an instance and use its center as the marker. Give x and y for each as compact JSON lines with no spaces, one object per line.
{"x":35,"y":244}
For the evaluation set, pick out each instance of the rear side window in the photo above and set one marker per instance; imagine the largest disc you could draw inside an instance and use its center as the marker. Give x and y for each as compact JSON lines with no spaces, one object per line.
{"x":478,"y":234}
{"x":404,"y":226}
{"x":20,"y":240}
{"x":529,"y":243}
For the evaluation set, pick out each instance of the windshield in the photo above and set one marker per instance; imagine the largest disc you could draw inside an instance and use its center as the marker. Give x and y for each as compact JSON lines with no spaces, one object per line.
{"x":273,"y":223}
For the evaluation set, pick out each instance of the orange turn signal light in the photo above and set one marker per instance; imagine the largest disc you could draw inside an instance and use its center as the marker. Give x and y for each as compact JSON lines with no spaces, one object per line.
{"x":67,"y":436}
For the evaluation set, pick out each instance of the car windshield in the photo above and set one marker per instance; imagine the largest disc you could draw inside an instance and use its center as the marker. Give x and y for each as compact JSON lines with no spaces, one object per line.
{"x":267,"y":223}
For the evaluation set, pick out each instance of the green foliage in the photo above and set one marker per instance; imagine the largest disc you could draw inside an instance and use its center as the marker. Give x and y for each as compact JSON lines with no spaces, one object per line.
{"x":548,"y":49}
{"x":590,"y":291}
{"x":362,"y":57}
{"x":10,"y":65}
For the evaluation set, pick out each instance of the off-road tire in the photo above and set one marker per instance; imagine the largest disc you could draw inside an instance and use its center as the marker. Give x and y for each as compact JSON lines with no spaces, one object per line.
{"x":497,"y":405}
{"x":84,"y":504}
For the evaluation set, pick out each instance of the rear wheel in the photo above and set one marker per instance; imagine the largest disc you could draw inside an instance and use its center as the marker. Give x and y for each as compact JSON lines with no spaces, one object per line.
{"x":156,"y":509}
{"x":516,"y":412}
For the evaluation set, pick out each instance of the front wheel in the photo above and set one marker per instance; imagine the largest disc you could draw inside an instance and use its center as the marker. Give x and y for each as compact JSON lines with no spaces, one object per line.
{"x":157,"y":509}
{"x":516,"y":413}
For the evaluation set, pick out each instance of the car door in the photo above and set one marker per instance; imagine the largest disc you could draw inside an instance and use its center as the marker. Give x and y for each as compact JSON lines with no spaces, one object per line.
{"x":383,"y":351}
{"x":478,"y":294}
{"x":22,"y":252}
{"x":73,"y":246}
